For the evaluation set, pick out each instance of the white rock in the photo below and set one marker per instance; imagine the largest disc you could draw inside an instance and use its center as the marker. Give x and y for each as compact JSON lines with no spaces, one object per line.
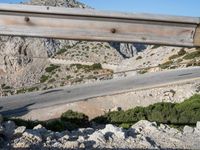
{"x":21,"y":143}
{"x":57,"y":145}
{"x":144,"y":124}
{"x":116,"y":109}
{"x":40,"y":129}
{"x":64,"y":138}
{"x":39,"y":126}
{"x":111,"y":129}
{"x":188,"y":130}
{"x":198,"y":125}
{"x":19,"y":130}
{"x":71,"y":145}
{"x":32,"y":136}
{"x":81,"y":139}
{"x":98,"y":137}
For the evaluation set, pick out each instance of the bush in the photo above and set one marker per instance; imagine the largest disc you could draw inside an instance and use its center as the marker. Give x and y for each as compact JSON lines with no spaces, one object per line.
{"x":185,"y":113}
{"x":51,"y":68}
{"x":96,"y":66}
{"x":156,"y":46}
{"x":181,"y":52}
{"x":79,"y":119}
{"x":88,"y":68}
{"x":173,"y":57}
{"x":61,"y":51}
{"x":139,"y":57}
{"x":192,"y":55}
{"x":69,"y":121}
{"x":24,"y":90}
{"x":166,"y":64}
{"x":44,"y":78}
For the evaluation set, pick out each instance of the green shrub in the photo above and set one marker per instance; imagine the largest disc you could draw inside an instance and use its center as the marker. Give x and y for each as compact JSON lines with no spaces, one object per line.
{"x":87,"y":68}
{"x":56,"y":125}
{"x":166,"y":64}
{"x":24,"y":90}
{"x":139,"y":57}
{"x":143,"y":71}
{"x":185,"y":113}
{"x":44,"y":78}
{"x":69,"y":121}
{"x":51,"y":68}
{"x":96,"y":66}
{"x":5,"y":87}
{"x":173,"y":57}
{"x":27,"y":123}
{"x":76,"y":118}
{"x":155,"y":46}
{"x":192,"y":55}
{"x":61,"y":51}
{"x":181,"y":52}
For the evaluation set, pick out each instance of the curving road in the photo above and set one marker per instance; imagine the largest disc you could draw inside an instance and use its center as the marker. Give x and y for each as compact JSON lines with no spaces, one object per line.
{"x":17,"y":104}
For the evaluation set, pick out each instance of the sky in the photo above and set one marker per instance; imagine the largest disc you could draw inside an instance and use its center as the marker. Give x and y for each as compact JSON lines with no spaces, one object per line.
{"x":168,"y":7}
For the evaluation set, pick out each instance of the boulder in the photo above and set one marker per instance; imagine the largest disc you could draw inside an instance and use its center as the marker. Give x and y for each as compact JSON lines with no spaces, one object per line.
{"x":111,"y":130}
{"x":19,"y":130}
{"x":71,"y":145}
{"x":116,"y":109}
{"x":21,"y":143}
{"x":188,"y":130}
{"x":97,"y":137}
{"x":32,"y":136}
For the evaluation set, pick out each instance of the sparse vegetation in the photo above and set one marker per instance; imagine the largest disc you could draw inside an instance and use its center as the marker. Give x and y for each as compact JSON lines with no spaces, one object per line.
{"x":193,"y":63}
{"x":166,"y":64}
{"x":5,"y":87}
{"x":181,"y":52}
{"x":24,"y":90}
{"x":61,"y":51}
{"x":192,"y":55}
{"x":87,"y":68}
{"x":155,"y":46}
{"x":44,"y":78}
{"x":173,"y":57}
{"x":51,"y":68}
{"x":143,"y":71}
{"x":139,"y":57}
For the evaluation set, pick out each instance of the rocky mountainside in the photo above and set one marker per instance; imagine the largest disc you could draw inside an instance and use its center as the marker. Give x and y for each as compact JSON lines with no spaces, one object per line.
{"x":25,"y":61}
{"x":142,"y":135}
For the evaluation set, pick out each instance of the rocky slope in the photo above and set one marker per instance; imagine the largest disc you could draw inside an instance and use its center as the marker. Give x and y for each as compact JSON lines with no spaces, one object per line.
{"x":142,"y":135}
{"x":23,"y":60}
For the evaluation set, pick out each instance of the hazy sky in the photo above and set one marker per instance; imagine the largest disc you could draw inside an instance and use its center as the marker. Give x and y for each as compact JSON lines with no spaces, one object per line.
{"x":172,"y":7}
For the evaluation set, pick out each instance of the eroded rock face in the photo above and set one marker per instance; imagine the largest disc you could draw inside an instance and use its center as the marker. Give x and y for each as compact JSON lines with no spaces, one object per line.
{"x":142,"y":135}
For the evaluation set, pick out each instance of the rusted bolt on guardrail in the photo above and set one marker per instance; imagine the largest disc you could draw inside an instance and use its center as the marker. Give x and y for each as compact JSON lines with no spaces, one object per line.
{"x":113,"y":30}
{"x":27,"y":19}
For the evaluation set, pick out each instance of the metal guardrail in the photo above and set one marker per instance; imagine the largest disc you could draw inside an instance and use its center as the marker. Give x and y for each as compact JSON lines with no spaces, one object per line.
{"x":88,"y":24}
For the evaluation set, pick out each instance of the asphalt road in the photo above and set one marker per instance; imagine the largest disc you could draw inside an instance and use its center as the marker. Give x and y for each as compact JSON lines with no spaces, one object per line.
{"x":22,"y":103}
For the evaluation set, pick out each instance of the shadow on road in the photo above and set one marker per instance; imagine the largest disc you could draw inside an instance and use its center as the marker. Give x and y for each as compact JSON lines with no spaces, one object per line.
{"x":51,"y":91}
{"x":16,"y":112}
